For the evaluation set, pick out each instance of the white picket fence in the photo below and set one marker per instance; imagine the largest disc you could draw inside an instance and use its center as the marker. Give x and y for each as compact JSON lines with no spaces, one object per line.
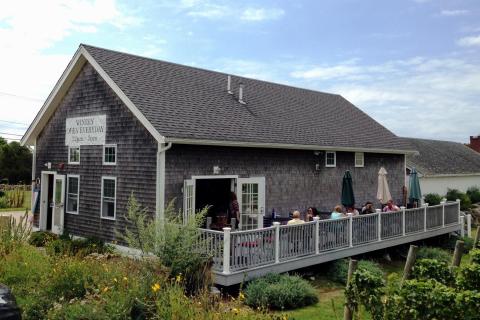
{"x":242,"y":250}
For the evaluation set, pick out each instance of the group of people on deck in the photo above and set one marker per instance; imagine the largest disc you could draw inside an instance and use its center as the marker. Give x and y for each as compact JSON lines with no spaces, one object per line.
{"x":338,"y":212}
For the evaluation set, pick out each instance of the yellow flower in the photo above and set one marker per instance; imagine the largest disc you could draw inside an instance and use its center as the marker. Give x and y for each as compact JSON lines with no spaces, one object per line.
{"x":105,"y":289}
{"x":125,"y":279}
{"x":155,"y":287}
{"x":241,"y":296}
{"x":235,"y":310}
{"x":115,"y":279}
{"x":178,"y":278}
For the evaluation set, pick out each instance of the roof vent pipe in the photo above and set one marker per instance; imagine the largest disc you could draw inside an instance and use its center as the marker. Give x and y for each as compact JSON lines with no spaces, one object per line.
{"x":240,"y":93}
{"x":229,"y":84}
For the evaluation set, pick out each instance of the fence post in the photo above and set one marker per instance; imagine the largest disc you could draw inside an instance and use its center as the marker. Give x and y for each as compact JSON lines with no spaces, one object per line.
{"x":462,"y":225}
{"x":457,"y":254}
{"x":469,"y":225}
{"x":403,"y":220}
{"x":425,"y":205}
{"x":407,"y":270}
{"x":350,"y":230}
{"x":352,"y":267}
{"x":379,"y":226}
{"x":276,"y":225}
{"x":226,"y":250}
{"x":317,"y":237}
{"x":443,"y":213}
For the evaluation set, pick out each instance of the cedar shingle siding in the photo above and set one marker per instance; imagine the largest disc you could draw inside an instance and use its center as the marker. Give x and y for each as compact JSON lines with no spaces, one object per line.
{"x":291,"y":179}
{"x":136,"y":155}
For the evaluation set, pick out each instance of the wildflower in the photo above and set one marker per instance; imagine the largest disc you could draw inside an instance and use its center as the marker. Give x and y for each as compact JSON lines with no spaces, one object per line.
{"x":125,"y":279}
{"x":115,"y":279}
{"x":241,"y":296}
{"x":155,"y":287}
{"x":178,"y":278}
{"x":105,"y":289}
{"x":235,"y":310}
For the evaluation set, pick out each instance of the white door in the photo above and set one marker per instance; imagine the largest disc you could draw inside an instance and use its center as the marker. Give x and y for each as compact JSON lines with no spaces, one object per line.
{"x":188,"y":199}
{"x":251,"y":201}
{"x":58,"y":203}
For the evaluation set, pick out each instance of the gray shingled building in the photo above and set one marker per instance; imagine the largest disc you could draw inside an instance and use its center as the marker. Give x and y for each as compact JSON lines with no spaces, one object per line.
{"x":116,"y":123}
{"x":444,"y":164}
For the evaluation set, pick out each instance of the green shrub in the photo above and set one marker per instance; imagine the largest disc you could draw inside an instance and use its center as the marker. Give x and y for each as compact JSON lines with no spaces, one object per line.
{"x":41,"y":238}
{"x":434,"y":253}
{"x":368,"y":289}
{"x":454,"y":194}
{"x":468,"y":303}
{"x":452,"y":240}
{"x":69,"y":279}
{"x":475,"y":255}
{"x":13,"y":233}
{"x":77,"y":247}
{"x":425,"y":269}
{"x":280,"y":292}
{"x":468,"y":277}
{"x":433,"y":199}
{"x":338,"y":269}
{"x":474,"y":194}
{"x":3,"y":202}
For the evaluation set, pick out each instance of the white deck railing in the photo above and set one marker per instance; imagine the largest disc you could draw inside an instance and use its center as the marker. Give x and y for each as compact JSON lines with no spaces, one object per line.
{"x":242,"y":250}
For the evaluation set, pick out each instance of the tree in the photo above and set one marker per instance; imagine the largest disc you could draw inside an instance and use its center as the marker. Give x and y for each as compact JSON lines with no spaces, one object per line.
{"x":15,"y":162}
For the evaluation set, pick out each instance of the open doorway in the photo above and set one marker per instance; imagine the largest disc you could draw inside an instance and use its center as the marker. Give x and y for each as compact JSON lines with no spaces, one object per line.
{"x":216,"y":194}
{"x":46,"y":200}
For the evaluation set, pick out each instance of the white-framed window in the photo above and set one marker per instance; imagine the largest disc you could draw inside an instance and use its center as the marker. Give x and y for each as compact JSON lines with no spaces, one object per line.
{"x":359,"y":159}
{"x":73,"y":193}
{"x":109,"y":198}
{"x":110,"y":154}
{"x":73,"y":155}
{"x":330,"y":159}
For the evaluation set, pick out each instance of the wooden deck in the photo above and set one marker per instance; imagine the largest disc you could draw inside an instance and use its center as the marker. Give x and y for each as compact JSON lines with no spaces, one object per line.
{"x":242,"y":255}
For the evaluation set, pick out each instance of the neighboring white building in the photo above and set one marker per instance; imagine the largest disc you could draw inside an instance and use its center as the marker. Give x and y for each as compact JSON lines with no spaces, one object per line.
{"x":443,"y":165}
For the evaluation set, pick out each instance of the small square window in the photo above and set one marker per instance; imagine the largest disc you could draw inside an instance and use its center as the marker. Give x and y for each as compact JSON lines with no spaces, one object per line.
{"x":330,"y":159}
{"x":359,"y":159}
{"x":110,"y":154}
{"x":73,"y":155}
{"x":73,"y":192}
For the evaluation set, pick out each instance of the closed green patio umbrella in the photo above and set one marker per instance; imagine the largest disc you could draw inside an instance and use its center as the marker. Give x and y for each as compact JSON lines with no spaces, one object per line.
{"x":348,"y":198}
{"x":414,"y":194}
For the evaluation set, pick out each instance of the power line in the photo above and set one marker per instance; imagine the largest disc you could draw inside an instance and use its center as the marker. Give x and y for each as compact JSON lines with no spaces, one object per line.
{"x":12,"y":134}
{"x":19,"y":96}
{"x":7,"y":121}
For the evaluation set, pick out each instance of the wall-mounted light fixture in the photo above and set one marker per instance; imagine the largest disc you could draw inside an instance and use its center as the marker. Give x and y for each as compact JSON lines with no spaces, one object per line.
{"x":48,"y":165}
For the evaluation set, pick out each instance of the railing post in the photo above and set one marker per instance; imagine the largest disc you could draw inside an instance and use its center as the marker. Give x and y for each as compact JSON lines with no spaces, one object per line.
{"x":462,"y":225}
{"x":443,"y":213}
{"x":469,"y":225}
{"x":425,"y":205}
{"x":226,"y":250}
{"x":458,"y":206}
{"x":209,"y":222}
{"x":403,"y":219}
{"x":276,"y":225}
{"x":317,"y":238}
{"x":260,"y":220}
{"x":350,"y":230}
{"x":379,"y":226}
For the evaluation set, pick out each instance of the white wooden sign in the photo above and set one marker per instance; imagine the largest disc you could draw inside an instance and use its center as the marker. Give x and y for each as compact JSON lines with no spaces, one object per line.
{"x":89,"y":130}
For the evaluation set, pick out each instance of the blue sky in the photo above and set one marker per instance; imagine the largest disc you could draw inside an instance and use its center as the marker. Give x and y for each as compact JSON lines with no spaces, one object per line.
{"x":412,"y":65}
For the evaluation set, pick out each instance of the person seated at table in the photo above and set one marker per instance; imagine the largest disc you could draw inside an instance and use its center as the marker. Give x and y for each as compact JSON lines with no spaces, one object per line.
{"x":337,"y":213}
{"x":390,"y":207}
{"x":295,"y":218}
{"x":311,"y":213}
{"x":368,"y":208}
{"x":351,"y":211}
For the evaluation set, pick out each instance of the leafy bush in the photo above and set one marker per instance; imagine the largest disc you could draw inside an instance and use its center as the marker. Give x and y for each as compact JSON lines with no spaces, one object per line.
{"x":13,"y":233}
{"x":3,"y":203}
{"x":433,"y":199}
{"x":434,"y":253}
{"x":366,"y":288}
{"x":280,"y":292}
{"x":338,"y":269}
{"x":425,"y":269}
{"x":41,"y":238}
{"x":178,"y":245}
{"x":454,"y":194}
{"x":475,"y":255}
{"x":77,"y":247}
{"x":452,"y":240}
{"x":468,"y":277}
{"x":474,"y":194}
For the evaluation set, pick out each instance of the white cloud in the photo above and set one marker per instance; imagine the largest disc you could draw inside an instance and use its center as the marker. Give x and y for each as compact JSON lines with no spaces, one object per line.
{"x":472,"y":41}
{"x":430,"y":98}
{"x":451,"y":13}
{"x":27,"y":29}
{"x":261,"y":14}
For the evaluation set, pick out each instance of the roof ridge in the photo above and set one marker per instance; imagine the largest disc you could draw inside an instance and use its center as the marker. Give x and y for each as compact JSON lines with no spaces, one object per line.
{"x":209,"y":70}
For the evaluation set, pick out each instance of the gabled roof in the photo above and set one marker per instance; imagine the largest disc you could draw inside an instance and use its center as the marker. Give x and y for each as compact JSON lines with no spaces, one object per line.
{"x":182,"y":104}
{"x":437,"y":158}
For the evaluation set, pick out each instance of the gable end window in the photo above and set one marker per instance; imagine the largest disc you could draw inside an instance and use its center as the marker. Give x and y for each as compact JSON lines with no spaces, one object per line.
{"x":359,"y":159}
{"x":330,"y":159}
{"x":110,"y":154}
{"x":109,"y":198}
{"x":73,"y":155}
{"x":73,"y":192}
